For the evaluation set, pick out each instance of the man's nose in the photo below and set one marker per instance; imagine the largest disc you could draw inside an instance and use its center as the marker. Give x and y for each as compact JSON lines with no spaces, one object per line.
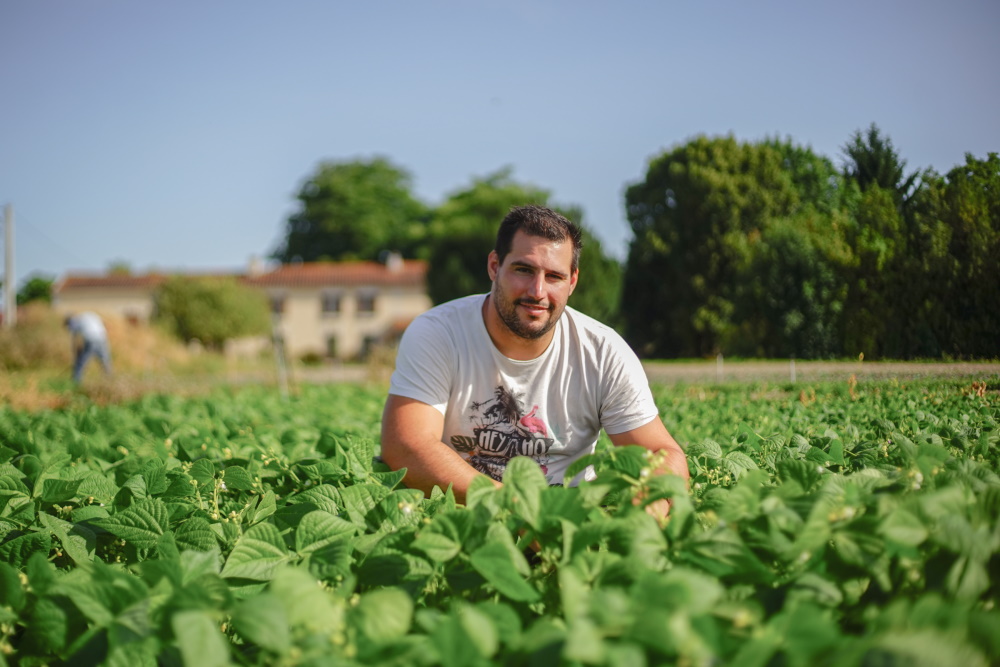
{"x":536,"y":288}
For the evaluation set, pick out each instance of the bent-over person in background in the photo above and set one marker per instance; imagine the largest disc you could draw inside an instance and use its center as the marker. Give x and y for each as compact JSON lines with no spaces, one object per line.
{"x":89,"y":339}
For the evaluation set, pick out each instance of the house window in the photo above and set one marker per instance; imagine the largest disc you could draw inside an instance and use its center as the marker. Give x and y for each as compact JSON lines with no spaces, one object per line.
{"x":367,"y":345}
{"x":366,"y":301}
{"x":330,"y":303}
{"x":277,"y":304}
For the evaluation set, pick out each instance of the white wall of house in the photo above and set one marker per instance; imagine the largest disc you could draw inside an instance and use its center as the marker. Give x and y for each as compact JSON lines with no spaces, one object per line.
{"x":128,"y":303}
{"x":342,"y":332}
{"x":331,"y":320}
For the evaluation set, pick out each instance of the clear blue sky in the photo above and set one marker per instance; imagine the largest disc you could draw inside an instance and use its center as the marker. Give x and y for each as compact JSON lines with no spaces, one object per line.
{"x":174,"y":135}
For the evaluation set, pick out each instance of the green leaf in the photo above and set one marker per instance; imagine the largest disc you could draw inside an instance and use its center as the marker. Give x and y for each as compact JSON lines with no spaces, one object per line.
{"x":196,"y":565}
{"x":360,"y":499}
{"x":708,"y":448}
{"x":47,"y":627}
{"x":482,"y":492}
{"x":59,"y":490}
{"x":904,"y":527}
{"x":17,"y":551}
{"x":263,"y":621}
{"x":101,"y":488}
{"x":78,"y":542}
{"x":136,"y":485}
{"x":196,"y":534}
{"x":383,"y":615}
{"x":496,"y":564}
{"x":466,"y":636}
{"x":307,"y":604}
{"x":155,"y":474}
{"x":439,"y":548}
{"x":325,"y":497}
{"x":203,"y":471}
{"x":200,"y":639}
{"x":141,"y":525}
{"x":803,"y":472}
{"x":738,"y":463}
{"x":256,"y":554}
{"x":266,"y":506}
{"x":401,"y":508}
{"x":524,"y":483}
{"x":389,"y":480}
{"x":318,"y":529}
{"x":237,"y":478}
{"x":11,"y":591}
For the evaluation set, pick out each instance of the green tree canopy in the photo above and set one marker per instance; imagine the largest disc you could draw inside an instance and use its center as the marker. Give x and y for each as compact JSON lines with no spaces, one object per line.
{"x":35,"y":288}
{"x":354,"y":210}
{"x":970,"y":207}
{"x":211,"y":310}
{"x":870,"y":159}
{"x":705,"y":219}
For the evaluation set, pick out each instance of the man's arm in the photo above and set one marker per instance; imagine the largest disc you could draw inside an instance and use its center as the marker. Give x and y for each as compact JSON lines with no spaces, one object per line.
{"x":411,"y":439}
{"x":654,"y":436}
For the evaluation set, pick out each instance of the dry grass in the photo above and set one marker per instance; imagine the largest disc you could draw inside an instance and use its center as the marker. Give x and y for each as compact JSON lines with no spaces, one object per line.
{"x":36,"y":364}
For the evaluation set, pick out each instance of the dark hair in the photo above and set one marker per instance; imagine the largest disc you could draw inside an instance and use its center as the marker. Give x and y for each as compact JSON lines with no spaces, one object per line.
{"x":537,"y":221}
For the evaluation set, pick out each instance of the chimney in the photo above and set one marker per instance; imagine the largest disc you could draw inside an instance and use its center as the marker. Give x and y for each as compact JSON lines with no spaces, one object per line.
{"x":394,"y":262}
{"x":255,"y":267}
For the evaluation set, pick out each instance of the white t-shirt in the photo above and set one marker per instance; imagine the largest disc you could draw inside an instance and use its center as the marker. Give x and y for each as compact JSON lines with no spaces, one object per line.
{"x":551,"y":408}
{"x":89,"y":327}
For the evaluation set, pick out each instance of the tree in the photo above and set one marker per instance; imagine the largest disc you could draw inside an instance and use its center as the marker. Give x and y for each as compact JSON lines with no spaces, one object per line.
{"x":354,"y":210}
{"x":211,"y":310}
{"x":463,"y":232}
{"x":871,"y":160}
{"x":971,"y":210}
{"x":35,"y":288}
{"x":792,"y":293}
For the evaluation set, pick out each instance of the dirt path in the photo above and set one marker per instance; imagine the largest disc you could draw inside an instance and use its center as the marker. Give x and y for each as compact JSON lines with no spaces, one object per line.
{"x":811,"y":371}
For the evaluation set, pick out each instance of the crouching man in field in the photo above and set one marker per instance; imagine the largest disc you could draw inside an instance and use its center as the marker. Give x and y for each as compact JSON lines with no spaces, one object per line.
{"x":516,"y":372}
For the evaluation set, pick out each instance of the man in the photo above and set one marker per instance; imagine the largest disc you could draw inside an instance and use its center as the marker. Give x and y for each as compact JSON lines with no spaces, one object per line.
{"x":515,"y":372}
{"x":89,"y":338}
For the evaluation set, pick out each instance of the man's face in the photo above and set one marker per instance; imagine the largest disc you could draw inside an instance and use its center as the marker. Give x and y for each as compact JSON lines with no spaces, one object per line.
{"x":531,"y":287}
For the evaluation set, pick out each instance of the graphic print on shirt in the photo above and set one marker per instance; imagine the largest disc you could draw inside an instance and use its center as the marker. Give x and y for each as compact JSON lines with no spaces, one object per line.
{"x":502,"y":429}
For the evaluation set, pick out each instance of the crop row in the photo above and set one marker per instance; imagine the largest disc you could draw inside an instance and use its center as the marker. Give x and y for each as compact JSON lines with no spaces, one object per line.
{"x":837,"y":524}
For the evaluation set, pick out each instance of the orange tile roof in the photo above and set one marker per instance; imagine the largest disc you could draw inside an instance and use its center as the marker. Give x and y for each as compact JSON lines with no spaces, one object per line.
{"x":319,"y":274}
{"x":308,"y":274}
{"x":114,"y":281}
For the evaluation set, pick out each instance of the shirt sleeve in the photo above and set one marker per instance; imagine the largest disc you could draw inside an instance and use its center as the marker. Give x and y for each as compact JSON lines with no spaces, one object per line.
{"x":424,"y":363}
{"x":628,"y":401}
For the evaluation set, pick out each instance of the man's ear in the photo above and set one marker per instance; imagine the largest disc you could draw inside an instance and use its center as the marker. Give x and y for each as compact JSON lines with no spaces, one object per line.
{"x":493,"y":265}
{"x":572,"y":280}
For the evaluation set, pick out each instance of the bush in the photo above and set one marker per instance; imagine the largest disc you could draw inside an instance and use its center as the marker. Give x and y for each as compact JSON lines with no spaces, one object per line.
{"x":211,"y":310}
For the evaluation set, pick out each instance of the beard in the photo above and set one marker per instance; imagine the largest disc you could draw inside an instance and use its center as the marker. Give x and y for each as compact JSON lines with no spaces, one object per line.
{"x":507,"y":310}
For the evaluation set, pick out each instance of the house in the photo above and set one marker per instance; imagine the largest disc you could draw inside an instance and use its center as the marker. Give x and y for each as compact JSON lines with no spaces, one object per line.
{"x":327,"y":309}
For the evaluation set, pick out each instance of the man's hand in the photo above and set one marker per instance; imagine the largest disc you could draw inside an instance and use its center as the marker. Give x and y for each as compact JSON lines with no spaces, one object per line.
{"x":671,"y":458}
{"x":411,"y":439}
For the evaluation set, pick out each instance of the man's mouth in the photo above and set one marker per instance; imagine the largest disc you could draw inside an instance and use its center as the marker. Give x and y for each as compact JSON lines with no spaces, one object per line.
{"x":533,"y":307}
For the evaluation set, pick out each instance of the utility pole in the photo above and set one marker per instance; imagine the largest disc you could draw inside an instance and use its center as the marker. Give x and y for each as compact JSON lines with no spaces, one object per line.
{"x":9,"y":295}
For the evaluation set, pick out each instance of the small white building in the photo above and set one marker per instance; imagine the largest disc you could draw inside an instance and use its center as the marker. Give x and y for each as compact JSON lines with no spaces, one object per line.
{"x":326,"y":309}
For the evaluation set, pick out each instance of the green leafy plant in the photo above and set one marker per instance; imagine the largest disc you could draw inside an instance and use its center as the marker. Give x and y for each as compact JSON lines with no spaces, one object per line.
{"x":834,"y":527}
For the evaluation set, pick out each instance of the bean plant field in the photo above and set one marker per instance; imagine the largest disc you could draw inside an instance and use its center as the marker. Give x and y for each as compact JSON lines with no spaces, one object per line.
{"x":831,"y":524}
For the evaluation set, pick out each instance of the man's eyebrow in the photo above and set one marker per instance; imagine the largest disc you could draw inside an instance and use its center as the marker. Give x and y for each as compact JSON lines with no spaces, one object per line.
{"x":529,"y":265}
